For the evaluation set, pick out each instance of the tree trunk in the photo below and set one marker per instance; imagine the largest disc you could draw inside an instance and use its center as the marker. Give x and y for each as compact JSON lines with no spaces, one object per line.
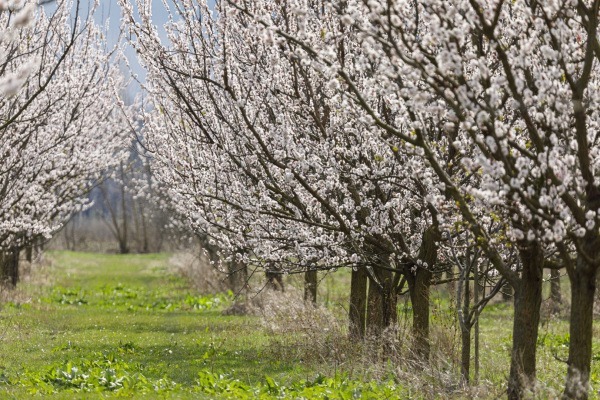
{"x":237,"y":276}
{"x":419,"y":285}
{"x":451,"y":286}
{"x":555,"y":295}
{"x":123,"y":248}
{"x":476,"y":297}
{"x":465,"y":354}
{"x":275,"y":281}
{"x":465,"y":329}
{"x":382,"y":303}
{"x":29,"y":253}
{"x":145,"y":241}
{"x":9,"y":267}
{"x":358,"y":303}
{"x":583,"y":289}
{"x":374,"y":309}
{"x":69,"y":234}
{"x":419,"y":288}
{"x":390,"y":301}
{"x":527,"y":302}
{"x":310,"y":287}
{"x":123,"y":245}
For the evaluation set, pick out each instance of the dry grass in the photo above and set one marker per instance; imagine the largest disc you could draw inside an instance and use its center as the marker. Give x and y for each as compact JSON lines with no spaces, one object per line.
{"x":196,"y":268}
{"x":32,"y":275}
{"x":316,"y":337}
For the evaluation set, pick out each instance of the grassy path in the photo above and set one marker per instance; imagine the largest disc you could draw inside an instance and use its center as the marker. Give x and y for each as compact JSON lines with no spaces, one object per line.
{"x":128,"y":314}
{"x":98,"y":326}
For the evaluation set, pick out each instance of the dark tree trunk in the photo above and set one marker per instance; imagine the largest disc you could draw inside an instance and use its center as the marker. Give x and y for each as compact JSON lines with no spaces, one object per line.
{"x":555,"y":294}
{"x":374,"y":309}
{"x":310,"y":287}
{"x":527,"y":302}
{"x":145,"y":241}
{"x":476,"y":297}
{"x":358,"y":303}
{"x":583,"y":289}
{"x":382,"y":303}
{"x":390,"y":298}
{"x":419,"y":288}
{"x":465,"y":331}
{"x":9,"y":267}
{"x":123,"y":240}
{"x":29,"y":253}
{"x":275,"y":281}
{"x":465,"y":355}
{"x":123,"y":248}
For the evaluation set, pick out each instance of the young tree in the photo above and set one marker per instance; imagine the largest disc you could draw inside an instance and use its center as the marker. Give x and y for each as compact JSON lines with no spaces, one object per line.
{"x":472,"y":266}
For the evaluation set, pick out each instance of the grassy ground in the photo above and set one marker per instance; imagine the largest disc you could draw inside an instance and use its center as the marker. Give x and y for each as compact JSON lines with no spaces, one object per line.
{"x":126,"y":325}
{"x":92,"y":325}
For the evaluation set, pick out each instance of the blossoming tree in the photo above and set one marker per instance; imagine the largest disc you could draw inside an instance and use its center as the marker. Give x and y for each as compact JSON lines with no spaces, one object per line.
{"x":61,"y":121}
{"x":512,"y":84}
{"x":257,"y":150}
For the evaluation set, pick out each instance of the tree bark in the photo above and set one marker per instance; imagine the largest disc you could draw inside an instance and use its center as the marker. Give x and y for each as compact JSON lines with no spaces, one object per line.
{"x":374,"y":310}
{"x":527,"y":302}
{"x":29,"y":253}
{"x":476,"y":296}
{"x":9,"y":267}
{"x":507,"y":292}
{"x":419,"y":289}
{"x":419,"y":286}
{"x":275,"y":281}
{"x":310,"y":287}
{"x":465,"y":330}
{"x":390,"y":305}
{"x":583,"y":289}
{"x":465,"y":355}
{"x":382,"y":311}
{"x":145,"y":241}
{"x":123,"y":245}
{"x":358,"y":303}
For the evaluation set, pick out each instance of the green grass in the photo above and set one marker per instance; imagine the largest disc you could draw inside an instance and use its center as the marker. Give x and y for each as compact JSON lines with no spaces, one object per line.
{"x":97,"y":325}
{"x":127,"y":321}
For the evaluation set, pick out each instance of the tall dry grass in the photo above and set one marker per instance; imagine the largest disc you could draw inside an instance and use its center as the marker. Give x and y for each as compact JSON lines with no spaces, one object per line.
{"x":315,"y":336}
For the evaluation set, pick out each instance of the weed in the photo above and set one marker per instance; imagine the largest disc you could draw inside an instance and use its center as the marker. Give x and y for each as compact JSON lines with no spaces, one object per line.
{"x":102,"y":373}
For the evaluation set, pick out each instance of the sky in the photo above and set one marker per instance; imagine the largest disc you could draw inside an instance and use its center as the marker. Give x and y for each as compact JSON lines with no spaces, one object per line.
{"x":109,"y":12}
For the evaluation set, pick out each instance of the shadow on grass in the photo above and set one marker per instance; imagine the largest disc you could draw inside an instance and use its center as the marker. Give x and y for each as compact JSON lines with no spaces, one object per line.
{"x":182,"y":358}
